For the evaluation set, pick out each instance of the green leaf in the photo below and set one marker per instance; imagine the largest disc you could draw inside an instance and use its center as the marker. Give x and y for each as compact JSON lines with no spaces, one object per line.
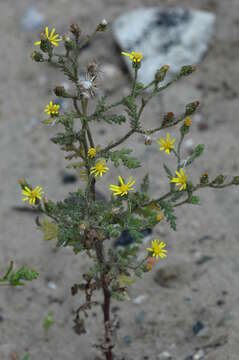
{"x":197,"y":152}
{"x":23,"y":274}
{"x":144,"y":187}
{"x":195,"y":200}
{"x":48,"y":321}
{"x":26,"y":357}
{"x":168,"y":212}
{"x":123,"y":154}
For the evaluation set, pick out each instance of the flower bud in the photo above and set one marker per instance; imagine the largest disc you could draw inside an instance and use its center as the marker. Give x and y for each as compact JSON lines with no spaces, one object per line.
{"x":219,"y":180}
{"x":60,"y":91}
{"x":187,"y":70}
{"x":37,"y":56}
{"x":68,"y":42}
{"x":74,"y":28}
{"x":204,"y":179}
{"x":191,"y":108}
{"x":235,"y":180}
{"x":45,"y":45}
{"x":160,"y":74}
{"x":102,"y":25}
{"x":147,"y":140}
{"x":188,"y":121}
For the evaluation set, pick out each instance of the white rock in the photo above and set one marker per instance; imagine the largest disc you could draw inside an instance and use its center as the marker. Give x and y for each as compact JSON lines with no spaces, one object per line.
{"x":173,"y":36}
{"x":199,"y":355}
{"x":164,"y":356}
{"x":52,"y":285}
{"x":139,"y":299}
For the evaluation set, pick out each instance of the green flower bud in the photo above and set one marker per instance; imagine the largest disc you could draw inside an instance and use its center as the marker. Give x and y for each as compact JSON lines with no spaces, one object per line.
{"x":235,"y":180}
{"x":191,"y":108}
{"x":45,"y":46}
{"x":102,"y":26}
{"x":161,"y":73}
{"x":187,"y":70}
{"x":37,"y":56}
{"x":218,"y":180}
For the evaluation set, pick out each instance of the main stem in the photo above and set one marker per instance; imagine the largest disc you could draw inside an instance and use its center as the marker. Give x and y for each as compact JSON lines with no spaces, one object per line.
{"x":106,"y":305}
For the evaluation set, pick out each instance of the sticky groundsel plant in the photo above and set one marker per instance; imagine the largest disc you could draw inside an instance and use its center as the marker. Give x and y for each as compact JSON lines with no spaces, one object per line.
{"x":86,"y":222}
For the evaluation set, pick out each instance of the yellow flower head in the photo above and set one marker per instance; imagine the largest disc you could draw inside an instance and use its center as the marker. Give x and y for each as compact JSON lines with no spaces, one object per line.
{"x":166,"y":144}
{"x":122,"y":189}
{"x":188,"y":121}
{"x":91,"y":153}
{"x":180,"y":180}
{"x":99,"y":168}
{"x":158,"y":249}
{"x":53,"y":39}
{"x":32,"y":195}
{"x":52,"y":109}
{"x":136,"y":57}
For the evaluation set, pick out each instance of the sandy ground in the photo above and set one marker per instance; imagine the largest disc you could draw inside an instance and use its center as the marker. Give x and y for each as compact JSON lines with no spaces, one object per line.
{"x":189,"y":290}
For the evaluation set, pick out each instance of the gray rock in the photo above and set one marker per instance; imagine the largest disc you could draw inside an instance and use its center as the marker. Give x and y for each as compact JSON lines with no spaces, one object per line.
{"x":32,"y":18}
{"x":174,"y":36}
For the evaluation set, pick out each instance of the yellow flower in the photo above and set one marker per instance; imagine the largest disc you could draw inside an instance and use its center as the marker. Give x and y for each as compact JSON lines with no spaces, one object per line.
{"x":160,"y":216}
{"x":92,"y":153}
{"x":52,"y":109}
{"x":53,"y":39}
{"x":188,"y":121}
{"x":32,"y":195}
{"x":180,"y":180}
{"x":123,"y":188}
{"x":158,"y":249}
{"x":99,"y":168}
{"x":166,"y":144}
{"x":135,"y":56}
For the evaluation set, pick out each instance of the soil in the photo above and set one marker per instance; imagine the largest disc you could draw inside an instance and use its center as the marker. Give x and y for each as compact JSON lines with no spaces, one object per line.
{"x":198,"y":282}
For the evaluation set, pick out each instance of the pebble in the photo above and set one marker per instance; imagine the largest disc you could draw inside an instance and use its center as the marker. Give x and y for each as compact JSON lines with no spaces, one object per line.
{"x":127,"y":340}
{"x":32,"y":18}
{"x":164,"y":356}
{"x":51,"y":285}
{"x":67,"y":178}
{"x":175,"y":36}
{"x":197,"y":327}
{"x":199,"y":355}
{"x":140,"y":299}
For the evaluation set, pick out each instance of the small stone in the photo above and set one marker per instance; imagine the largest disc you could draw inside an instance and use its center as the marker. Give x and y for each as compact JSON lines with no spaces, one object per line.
{"x":51,"y":285}
{"x":140,"y":299}
{"x":190,"y":357}
{"x":199,"y":355}
{"x":164,"y":356}
{"x":67,"y":178}
{"x":32,"y":19}
{"x":127,"y":340}
{"x":197,"y":327}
